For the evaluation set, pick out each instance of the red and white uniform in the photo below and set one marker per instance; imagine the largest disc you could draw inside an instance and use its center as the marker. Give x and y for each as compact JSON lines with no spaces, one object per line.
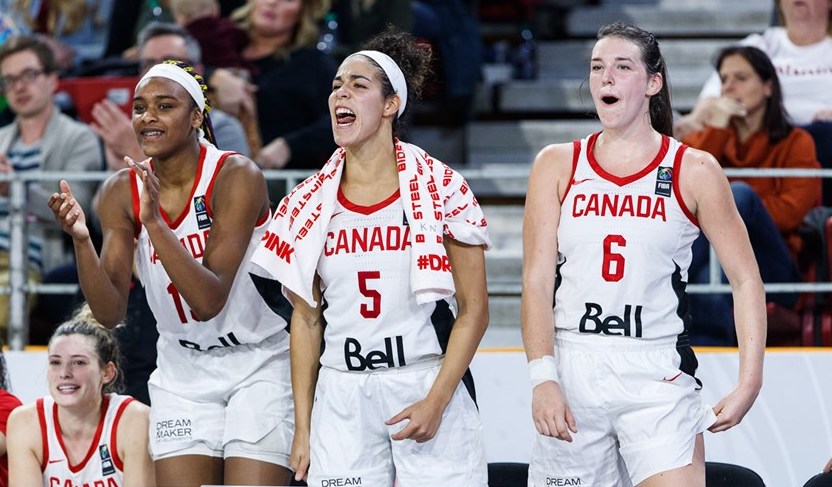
{"x":624,"y":248}
{"x":245,"y":319}
{"x":621,"y":312}
{"x":373,"y":319}
{"x":101,"y":467}
{"x":221,"y":385}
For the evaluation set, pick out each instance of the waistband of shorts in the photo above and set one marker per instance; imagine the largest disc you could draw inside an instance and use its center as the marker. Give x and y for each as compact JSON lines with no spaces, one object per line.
{"x":570,"y":340}
{"x":420,"y":365}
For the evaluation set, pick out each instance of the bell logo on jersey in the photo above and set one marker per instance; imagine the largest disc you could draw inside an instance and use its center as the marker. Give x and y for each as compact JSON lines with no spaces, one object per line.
{"x":611,"y":325}
{"x":376,"y":358}
{"x":226,"y":341}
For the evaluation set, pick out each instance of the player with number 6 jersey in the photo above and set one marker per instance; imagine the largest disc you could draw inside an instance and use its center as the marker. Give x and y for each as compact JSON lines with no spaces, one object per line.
{"x":608,"y":230}
{"x":624,"y":247}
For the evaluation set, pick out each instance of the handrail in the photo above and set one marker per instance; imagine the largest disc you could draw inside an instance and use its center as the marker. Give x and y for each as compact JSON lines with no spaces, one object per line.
{"x":18,"y":286}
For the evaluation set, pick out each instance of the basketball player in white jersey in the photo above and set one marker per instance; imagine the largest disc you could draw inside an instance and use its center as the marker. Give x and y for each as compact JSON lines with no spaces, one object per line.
{"x":608,"y":229}
{"x":221,"y":398}
{"x":390,"y":403}
{"x":83,"y":433}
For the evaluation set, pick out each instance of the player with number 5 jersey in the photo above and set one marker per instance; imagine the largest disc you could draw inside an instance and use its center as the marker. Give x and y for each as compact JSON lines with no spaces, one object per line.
{"x":373,"y":250}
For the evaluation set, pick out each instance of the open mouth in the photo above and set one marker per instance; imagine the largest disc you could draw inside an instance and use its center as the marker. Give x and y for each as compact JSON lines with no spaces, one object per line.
{"x":609,"y":99}
{"x":344,"y":116}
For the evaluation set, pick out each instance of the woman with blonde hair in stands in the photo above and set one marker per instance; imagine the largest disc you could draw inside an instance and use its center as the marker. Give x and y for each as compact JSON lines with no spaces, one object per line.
{"x":292,"y":81}
{"x":84,"y":432}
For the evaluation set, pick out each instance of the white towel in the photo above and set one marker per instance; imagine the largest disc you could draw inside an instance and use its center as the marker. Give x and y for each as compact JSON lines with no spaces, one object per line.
{"x":437,"y":201}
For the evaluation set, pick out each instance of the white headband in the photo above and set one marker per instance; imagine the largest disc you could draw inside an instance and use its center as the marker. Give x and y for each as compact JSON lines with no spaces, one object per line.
{"x":181,"y":77}
{"x":393,"y":72}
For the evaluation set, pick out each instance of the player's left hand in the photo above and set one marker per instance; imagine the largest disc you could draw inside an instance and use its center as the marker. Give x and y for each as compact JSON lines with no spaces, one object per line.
{"x":149,"y":210}
{"x":828,"y":467}
{"x":732,"y":408}
{"x":425,"y":417}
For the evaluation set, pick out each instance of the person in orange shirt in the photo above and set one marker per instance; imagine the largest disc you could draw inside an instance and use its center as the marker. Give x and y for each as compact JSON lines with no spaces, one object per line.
{"x":749,"y":128}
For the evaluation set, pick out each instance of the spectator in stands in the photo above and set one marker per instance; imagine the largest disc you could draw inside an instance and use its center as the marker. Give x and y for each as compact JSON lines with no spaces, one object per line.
{"x":83,"y":432}
{"x":801,"y":51}
{"x":221,"y":40}
{"x":748,"y":128}
{"x":359,"y":20}
{"x":609,"y":224}
{"x":293,"y":80}
{"x":41,"y":138}
{"x":77,"y":29}
{"x":8,"y":402}
{"x":157,"y":42}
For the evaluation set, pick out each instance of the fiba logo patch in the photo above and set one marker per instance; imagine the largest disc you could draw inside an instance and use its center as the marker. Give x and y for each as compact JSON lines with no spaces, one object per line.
{"x":107,"y":467}
{"x":664,"y":181}
{"x":203,"y":221}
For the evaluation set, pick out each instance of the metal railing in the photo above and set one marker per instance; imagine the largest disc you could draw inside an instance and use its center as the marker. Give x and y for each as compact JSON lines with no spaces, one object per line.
{"x":18,"y":287}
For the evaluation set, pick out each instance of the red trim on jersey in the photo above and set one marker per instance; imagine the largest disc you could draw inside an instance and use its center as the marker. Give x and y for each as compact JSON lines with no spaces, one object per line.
{"x":105,"y":402}
{"x":367,"y":210}
{"x":114,"y":437}
{"x":624,"y":180}
{"x":173,"y":224}
{"x":134,"y":190}
{"x":677,"y":170}
{"x":576,"y":154}
{"x":44,"y":439}
{"x":210,"y":189}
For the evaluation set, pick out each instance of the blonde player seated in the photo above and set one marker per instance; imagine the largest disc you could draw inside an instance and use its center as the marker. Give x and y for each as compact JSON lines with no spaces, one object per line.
{"x":83,"y":433}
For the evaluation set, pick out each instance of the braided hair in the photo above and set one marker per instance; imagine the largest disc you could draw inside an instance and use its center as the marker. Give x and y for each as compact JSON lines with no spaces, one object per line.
{"x":207,"y":127}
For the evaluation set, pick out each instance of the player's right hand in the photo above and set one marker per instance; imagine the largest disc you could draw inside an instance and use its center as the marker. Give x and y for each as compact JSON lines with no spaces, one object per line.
{"x":550,"y":412}
{"x":68,"y":213}
{"x":299,"y":457}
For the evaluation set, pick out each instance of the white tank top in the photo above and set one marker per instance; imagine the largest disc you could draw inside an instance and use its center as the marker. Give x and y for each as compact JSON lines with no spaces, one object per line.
{"x":101,"y":467}
{"x":624,"y":248}
{"x":372,"y":318}
{"x":245,"y":319}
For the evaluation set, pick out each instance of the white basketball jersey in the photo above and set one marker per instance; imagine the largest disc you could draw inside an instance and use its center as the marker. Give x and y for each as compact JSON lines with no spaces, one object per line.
{"x":372,"y":317}
{"x":624,"y":248}
{"x":245,"y":319}
{"x":101,"y":467}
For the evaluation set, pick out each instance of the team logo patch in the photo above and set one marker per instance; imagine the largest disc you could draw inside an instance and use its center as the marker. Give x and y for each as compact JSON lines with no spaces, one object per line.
{"x":664,"y":181}
{"x":107,"y":467}
{"x":203,"y":221}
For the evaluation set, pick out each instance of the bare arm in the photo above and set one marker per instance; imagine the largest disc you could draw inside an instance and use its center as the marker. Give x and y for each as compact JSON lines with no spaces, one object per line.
{"x":547,"y":184}
{"x":305,"y":355}
{"x":132,"y":446}
{"x":105,"y":282}
{"x":25,"y":448}
{"x":468,"y":267}
{"x":240,"y":199}
{"x":707,"y":193}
